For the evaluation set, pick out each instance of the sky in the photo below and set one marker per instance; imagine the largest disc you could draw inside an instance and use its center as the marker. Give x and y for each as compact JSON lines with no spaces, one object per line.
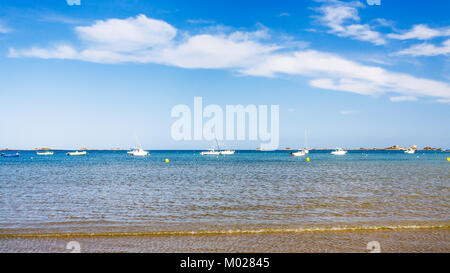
{"x":98,"y":74}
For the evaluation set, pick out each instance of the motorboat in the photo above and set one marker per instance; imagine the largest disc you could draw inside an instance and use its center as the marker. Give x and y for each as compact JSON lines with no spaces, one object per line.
{"x":76,"y":153}
{"x":138,"y":152}
{"x":410,"y":151}
{"x":10,"y":155}
{"x":339,"y":151}
{"x":44,"y":153}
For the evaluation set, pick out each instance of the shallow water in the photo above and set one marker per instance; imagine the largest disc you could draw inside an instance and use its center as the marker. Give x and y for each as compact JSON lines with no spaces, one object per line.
{"x":110,"y":192}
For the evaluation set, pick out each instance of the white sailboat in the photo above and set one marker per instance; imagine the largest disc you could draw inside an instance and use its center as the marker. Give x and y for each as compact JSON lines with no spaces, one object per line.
{"x":302,"y":152}
{"x":210,"y":152}
{"x":138,"y":151}
{"x":299,"y":153}
{"x":44,"y":153}
{"x":339,"y":151}
{"x":410,"y":151}
{"x":218,"y":151}
{"x":76,"y":153}
{"x":306,"y":144}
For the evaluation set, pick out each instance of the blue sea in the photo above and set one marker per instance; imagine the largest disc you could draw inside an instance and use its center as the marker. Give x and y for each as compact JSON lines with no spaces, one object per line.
{"x":108,"y":192}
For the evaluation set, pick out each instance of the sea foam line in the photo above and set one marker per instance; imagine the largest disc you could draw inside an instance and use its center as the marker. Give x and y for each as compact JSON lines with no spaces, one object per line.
{"x":230,"y":231}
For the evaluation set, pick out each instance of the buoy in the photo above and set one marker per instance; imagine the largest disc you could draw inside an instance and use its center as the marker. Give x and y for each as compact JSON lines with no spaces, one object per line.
{"x":167,"y":160}
{"x":448,"y":158}
{"x":307,"y":159}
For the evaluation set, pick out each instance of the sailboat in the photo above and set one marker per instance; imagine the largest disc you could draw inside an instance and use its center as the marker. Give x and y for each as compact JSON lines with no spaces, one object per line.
{"x":218,"y":151}
{"x":302,"y":152}
{"x":138,"y":151}
{"x":224,"y":152}
{"x":44,"y":153}
{"x":76,"y":153}
{"x":227,"y":152}
{"x":409,"y":151}
{"x":210,"y":152}
{"x":299,"y":153}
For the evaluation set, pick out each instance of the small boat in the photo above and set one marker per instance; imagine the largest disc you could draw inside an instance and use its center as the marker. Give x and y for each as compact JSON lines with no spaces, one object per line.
{"x":77,"y":153}
{"x":409,"y":151}
{"x":339,"y":151}
{"x":227,"y":152}
{"x":11,"y":155}
{"x":214,"y":152}
{"x":306,"y":144}
{"x":299,"y":153}
{"x":44,"y":153}
{"x":138,"y":152}
{"x":211,"y":152}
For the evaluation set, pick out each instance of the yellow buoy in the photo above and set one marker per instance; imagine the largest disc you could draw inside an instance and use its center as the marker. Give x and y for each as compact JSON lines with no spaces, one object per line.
{"x":448,"y":158}
{"x":307,"y":159}
{"x":167,"y":160}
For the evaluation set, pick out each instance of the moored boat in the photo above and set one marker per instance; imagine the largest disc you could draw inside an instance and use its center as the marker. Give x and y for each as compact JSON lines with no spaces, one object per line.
{"x":138,"y":152}
{"x":339,"y":151}
{"x":76,"y":153}
{"x":299,"y":153}
{"x":44,"y":153}
{"x":227,"y":152}
{"x":11,"y":155}
{"x":210,"y":152}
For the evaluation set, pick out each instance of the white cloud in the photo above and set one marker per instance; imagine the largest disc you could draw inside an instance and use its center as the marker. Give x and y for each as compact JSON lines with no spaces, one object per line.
{"x":336,"y":73}
{"x":403,"y":98}
{"x":421,"y":32}
{"x":144,"y":40}
{"x":426,"y":49}
{"x":4,"y":29}
{"x":127,"y":35}
{"x":348,"y":112}
{"x":338,"y":17}
{"x":443,"y":100}
{"x":200,"y":21}
{"x":58,"y":52}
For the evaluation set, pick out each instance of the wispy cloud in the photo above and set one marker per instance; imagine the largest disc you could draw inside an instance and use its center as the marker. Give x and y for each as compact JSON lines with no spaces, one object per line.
{"x":426,"y":49}
{"x":200,"y":21}
{"x":341,"y":17}
{"x":255,"y":53}
{"x":4,"y":29}
{"x":348,"y":112}
{"x":421,"y":32}
{"x":285,"y":14}
{"x":58,"y":18}
{"x":402,"y":98}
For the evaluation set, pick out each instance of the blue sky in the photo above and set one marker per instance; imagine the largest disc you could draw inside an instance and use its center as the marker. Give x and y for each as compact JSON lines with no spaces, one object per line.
{"x":351,"y":74}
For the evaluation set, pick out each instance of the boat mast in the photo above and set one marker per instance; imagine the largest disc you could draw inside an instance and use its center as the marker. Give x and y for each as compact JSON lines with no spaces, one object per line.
{"x":217,"y":143}
{"x":306,"y":141}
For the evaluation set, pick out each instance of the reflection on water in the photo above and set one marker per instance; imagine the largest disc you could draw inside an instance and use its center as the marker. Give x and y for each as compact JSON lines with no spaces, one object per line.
{"x":111,"y":191}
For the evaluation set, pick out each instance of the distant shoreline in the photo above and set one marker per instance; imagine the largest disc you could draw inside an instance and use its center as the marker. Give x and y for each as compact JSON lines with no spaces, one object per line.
{"x":286,"y":149}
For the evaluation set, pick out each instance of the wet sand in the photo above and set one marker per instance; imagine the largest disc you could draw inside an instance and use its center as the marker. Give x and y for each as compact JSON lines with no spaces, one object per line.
{"x":422,"y":241}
